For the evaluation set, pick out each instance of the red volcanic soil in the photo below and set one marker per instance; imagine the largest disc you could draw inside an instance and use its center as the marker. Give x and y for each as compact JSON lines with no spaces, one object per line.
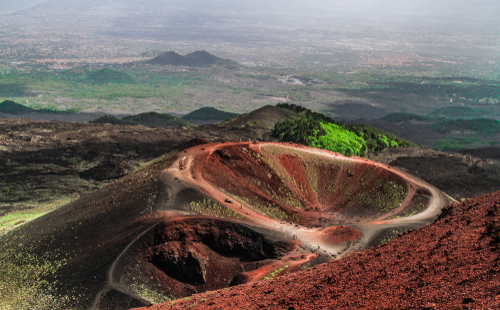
{"x":189,"y":255}
{"x":338,"y":234}
{"x":453,"y":263}
{"x":301,"y":187}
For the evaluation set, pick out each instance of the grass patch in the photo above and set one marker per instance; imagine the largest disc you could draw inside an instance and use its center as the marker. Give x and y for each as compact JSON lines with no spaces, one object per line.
{"x":384,"y":195}
{"x":152,"y":295}
{"x":265,"y":208}
{"x":17,"y":217}
{"x":418,"y":204}
{"x":21,"y":280}
{"x":209,"y":208}
{"x":275,"y":273}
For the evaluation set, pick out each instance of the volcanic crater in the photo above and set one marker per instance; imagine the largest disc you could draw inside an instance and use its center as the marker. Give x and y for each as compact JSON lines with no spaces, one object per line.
{"x":236,"y":213}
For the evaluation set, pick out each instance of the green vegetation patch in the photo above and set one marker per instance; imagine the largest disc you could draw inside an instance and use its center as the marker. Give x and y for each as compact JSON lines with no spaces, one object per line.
{"x":417,"y":205}
{"x":20,"y":215}
{"x":107,"y":76}
{"x":265,"y":208}
{"x":208,"y":113}
{"x":275,"y":273}
{"x":457,"y":112}
{"x":461,"y":143}
{"x":22,"y":284}
{"x":321,"y":132}
{"x":339,"y":140}
{"x":384,"y":195}
{"x":483,"y":126}
{"x":209,"y":208}
{"x":152,"y":295}
{"x":377,"y":139}
{"x":402,"y":117}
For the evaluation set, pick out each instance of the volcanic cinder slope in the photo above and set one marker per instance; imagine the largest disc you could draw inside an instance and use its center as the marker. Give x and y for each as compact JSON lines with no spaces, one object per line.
{"x":450,"y":264}
{"x":214,"y":215}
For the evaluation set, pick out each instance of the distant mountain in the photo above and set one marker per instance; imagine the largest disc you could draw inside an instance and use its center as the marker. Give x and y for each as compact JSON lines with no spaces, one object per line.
{"x":11,"y":107}
{"x":196,"y":59}
{"x":109,"y":119}
{"x":156,"y":119}
{"x":208,"y":113}
{"x":105,"y":76}
{"x":146,"y":119}
{"x":265,"y":117}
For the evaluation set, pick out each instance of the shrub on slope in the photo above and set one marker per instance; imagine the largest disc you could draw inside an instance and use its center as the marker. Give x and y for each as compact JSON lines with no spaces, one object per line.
{"x":317,"y":130}
{"x":322,"y":135}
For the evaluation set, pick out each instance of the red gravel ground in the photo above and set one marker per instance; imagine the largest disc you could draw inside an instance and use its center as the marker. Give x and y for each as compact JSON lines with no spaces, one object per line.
{"x":450,"y":264}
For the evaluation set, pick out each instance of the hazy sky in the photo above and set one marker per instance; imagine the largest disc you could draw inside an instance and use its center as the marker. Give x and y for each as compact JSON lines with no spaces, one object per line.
{"x":375,"y":8}
{"x":194,"y":19}
{"x":7,"y":6}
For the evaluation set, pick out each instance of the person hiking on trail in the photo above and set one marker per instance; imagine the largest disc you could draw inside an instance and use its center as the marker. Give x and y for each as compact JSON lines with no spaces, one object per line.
{"x":241,"y":207}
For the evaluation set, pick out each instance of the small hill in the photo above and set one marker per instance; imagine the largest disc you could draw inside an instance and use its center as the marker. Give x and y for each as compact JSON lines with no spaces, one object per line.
{"x":156,"y":119}
{"x":109,"y":119}
{"x":208,"y":113}
{"x":196,"y":59}
{"x":169,"y":58}
{"x":457,"y":112}
{"x":11,"y":107}
{"x":318,"y":130}
{"x":265,"y":117}
{"x":106,"y":76}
